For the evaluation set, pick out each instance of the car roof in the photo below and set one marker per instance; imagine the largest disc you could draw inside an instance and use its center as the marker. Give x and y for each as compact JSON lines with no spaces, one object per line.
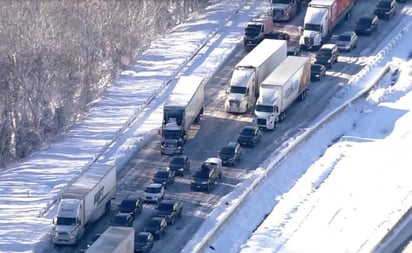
{"x":328,"y":46}
{"x":348,"y":33}
{"x":132,"y":197}
{"x":154,"y":185}
{"x":144,"y":233}
{"x":179,"y":156}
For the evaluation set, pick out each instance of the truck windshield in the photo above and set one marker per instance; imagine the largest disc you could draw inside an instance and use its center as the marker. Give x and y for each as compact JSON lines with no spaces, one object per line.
{"x":66,"y":221}
{"x":172,"y":134}
{"x":237,"y":89}
{"x":280,"y":1}
{"x":264,"y":108}
{"x":313,"y":27}
{"x":252,"y":30}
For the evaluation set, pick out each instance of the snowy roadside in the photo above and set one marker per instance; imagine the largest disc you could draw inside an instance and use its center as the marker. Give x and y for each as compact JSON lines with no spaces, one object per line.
{"x":108,"y":132}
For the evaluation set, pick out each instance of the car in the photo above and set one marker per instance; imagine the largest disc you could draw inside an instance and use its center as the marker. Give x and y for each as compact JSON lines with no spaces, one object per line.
{"x":169,"y":209}
{"x":122,"y":220}
{"x":277,"y":35}
{"x":327,"y":55}
{"x":347,"y":41}
{"x":230,"y":154}
{"x":153,"y":193}
{"x":367,"y":25}
{"x":180,"y":165}
{"x":131,"y":204}
{"x":249,"y":136}
{"x":157,"y":226}
{"x":385,"y":9}
{"x":164,"y":177}
{"x":316,"y":72}
{"x":205,"y":178}
{"x":143,"y":242}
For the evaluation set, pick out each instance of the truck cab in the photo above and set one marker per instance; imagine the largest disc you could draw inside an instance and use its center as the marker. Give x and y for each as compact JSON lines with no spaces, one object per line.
{"x":255,"y":30}
{"x":267,"y":108}
{"x":241,"y":91}
{"x":68,"y":223}
{"x":173,"y":138}
{"x":315,"y":28}
{"x":285,"y":10}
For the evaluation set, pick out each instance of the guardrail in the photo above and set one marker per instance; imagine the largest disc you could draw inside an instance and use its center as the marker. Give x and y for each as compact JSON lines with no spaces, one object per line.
{"x":218,"y":218}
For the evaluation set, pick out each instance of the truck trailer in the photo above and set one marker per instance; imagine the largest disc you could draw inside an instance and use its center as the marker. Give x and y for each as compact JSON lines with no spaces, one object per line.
{"x":251,"y":71}
{"x":321,"y":18}
{"x":183,"y":107}
{"x":114,"y":240}
{"x":288,"y":82}
{"x":84,"y":202}
{"x":285,"y":10}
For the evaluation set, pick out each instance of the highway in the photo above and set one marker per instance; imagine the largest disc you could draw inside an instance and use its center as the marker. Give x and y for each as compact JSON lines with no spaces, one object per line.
{"x":218,"y":127}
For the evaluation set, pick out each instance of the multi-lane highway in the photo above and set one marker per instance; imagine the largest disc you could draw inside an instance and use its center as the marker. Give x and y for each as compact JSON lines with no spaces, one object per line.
{"x":218,"y":127}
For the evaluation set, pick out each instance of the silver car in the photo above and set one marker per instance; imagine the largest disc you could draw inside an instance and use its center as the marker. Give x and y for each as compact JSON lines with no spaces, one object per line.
{"x":347,"y":41}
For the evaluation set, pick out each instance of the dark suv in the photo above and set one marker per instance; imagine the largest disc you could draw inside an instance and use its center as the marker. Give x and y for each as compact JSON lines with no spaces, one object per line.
{"x":131,"y":204}
{"x":327,"y":55}
{"x":164,"y":177}
{"x":367,"y":24}
{"x":249,"y":136}
{"x":180,"y":165}
{"x":230,"y":154}
{"x":385,"y":9}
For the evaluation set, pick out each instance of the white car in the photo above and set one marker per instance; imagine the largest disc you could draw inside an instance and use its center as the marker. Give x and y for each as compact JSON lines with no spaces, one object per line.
{"x":347,"y":41}
{"x":154,"y":193}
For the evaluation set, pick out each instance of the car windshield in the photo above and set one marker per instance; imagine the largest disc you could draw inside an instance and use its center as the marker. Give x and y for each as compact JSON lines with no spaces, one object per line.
{"x":364,"y":21}
{"x":316,"y":68}
{"x":165,"y":207}
{"x":264,"y":108}
{"x":248,"y":131}
{"x":237,"y":89}
{"x":141,"y":238}
{"x":177,"y":161}
{"x":152,"y":189}
{"x":127,"y":205}
{"x":162,"y":174}
{"x":201,"y":174}
{"x":66,"y":221}
{"x":120,"y":220}
{"x":227,"y":151}
{"x":324,"y":53}
{"x":344,"y":37}
{"x":153,"y":223}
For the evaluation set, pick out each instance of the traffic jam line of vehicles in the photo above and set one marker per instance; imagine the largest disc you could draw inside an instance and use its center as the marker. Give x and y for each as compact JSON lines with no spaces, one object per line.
{"x":265,"y":83}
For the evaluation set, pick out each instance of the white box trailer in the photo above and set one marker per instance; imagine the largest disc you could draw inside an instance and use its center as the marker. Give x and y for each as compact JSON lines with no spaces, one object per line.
{"x":280,"y":89}
{"x":183,"y":107}
{"x":84,"y":202}
{"x":114,"y":240}
{"x":251,"y":71}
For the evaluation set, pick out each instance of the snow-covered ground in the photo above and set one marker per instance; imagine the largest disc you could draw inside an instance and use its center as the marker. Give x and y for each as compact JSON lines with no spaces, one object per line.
{"x":355,"y":184}
{"x":118,"y":123}
{"x":28,"y":189}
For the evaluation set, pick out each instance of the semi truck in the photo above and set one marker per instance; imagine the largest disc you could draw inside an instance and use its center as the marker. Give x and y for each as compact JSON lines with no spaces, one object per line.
{"x":183,"y":107}
{"x":84,"y":202}
{"x":251,"y":71}
{"x":256,"y":29}
{"x":321,"y":18}
{"x":114,"y":240}
{"x":288,"y":82}
{"x":285,"y":10}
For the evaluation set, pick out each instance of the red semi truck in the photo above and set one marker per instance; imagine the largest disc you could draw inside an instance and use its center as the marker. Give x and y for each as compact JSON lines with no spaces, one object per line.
{"x":321,"y":18}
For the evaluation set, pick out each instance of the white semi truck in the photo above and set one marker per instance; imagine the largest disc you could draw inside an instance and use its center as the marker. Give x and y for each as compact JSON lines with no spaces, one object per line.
{"x":288,"y":82}
{"x":251,"y":71}
{"x":322,"y":16}
{"x":183,"y":107}
{"x":114,"y":240}
{"x":84,"y":202}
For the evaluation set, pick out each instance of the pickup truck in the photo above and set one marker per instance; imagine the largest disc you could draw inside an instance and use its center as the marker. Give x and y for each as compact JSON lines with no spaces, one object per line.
{"x":170,"y":210}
